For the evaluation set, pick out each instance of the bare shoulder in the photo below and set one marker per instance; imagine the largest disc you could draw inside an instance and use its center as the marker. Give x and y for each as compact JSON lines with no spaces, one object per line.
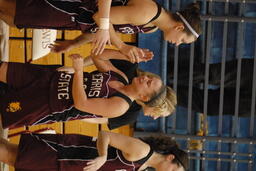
{"x":146,"y":8}
{"x":140,"y":150}
{"x":145,"y":5}
{"x":141,"y":2}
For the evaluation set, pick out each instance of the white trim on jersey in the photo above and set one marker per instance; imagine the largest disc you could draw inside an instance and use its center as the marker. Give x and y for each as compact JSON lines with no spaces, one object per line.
{"x":68,"y":118}
{"x":71,"y":0}
{"x":72,"y":13}
{"x":87,"y":9}
{"x":37,"y":137}
{"x":68,"y":146}
{"x":107,"y":86}
{"x":47,"y":142}
{"x":132,"y":165}
{"x":64,"y":146}
{"x":123,"y":2}
{"x":141,"y":30}
{"x":60,"y":9}
{"x":50,"y":115}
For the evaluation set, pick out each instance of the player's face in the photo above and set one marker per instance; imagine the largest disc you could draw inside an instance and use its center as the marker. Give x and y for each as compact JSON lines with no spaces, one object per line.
{"x":178,"y":36}
{"x":167,"y":165}
{"x":146,"y":85}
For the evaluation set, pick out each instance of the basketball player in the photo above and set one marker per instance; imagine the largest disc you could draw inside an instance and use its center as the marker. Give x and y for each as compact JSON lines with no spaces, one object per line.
{"x":53,"y":152}
{"x":125,"y":16}
{"x":39,"y":95}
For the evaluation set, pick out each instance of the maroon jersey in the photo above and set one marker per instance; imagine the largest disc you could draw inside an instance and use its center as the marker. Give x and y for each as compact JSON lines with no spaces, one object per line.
{"x":95,"y":85}
{"x":68,"y":14}
{"x":41,"y":95}
{"x":132,"y":29}
{"x":67,"y":152}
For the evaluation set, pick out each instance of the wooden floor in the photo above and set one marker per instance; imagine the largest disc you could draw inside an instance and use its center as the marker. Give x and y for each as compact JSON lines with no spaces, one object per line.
{"x":20,"y":47}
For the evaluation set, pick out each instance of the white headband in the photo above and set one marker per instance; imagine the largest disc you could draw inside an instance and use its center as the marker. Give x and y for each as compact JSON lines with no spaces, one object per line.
{"x":188,"y":25}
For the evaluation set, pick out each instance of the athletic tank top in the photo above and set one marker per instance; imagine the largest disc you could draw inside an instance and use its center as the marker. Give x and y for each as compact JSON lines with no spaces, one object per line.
{"x":74,"y":151}
{"x":81,"y":15}
{"x":132,"y":29}
{"x":61,"y":102}
{"x":130,"y":116}
{"x":78,"y":13}
{"x":95,"y":86}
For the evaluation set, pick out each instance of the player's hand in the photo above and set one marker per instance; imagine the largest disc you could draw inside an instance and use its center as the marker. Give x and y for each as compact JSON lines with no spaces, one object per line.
{"x":69,"y":70}
{"x":102,"y":37}
{"x":148,"y":55}
{"x":78,"y":62}
{"x":136,"y":54}
{"x":95,"y":164}
{"x":61,"y":46}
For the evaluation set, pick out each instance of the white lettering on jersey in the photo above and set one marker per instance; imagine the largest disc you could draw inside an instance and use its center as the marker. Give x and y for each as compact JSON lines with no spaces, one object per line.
{"x":85,"y":86}
{"x":96,"y":85}
{"x":121,"y":170}
{"x":63,"y":86}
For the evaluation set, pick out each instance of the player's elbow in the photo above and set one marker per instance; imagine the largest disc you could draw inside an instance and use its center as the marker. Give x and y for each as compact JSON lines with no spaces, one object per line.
{"x":80,"y":105}
{"x":112,"y":114}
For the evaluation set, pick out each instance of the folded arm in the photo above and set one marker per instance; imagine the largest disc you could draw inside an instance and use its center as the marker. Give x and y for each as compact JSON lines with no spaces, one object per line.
{"x":103,"y":64}
{"x":136,"y":151}
{"x":137,"y":148}
{"x":106,"y":107}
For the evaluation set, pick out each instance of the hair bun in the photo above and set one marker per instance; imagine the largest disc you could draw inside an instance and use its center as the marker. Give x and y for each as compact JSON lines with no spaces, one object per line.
{"x":193,"y":7}
{"x":174,"y":144}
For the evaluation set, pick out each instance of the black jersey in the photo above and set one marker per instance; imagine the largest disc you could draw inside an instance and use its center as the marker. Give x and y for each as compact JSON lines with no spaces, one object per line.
{"x":130,"y":70}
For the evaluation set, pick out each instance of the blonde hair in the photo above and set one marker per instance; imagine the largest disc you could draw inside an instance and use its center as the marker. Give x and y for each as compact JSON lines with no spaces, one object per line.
{"x":141,"y":73}
{"x":163,"y":101}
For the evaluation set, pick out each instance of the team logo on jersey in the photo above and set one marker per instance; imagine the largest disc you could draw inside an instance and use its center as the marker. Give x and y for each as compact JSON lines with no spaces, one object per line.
{"x":94,"y":30}
{"x":13,"y":107}
{"x":127,"y":30}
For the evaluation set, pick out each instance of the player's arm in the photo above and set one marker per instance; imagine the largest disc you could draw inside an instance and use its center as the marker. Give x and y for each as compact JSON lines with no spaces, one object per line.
{"x":137,"y":149}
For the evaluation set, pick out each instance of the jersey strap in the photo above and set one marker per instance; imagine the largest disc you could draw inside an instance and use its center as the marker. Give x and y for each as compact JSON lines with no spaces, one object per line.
{"x":126,"y":98}
{"x":139,"y":162}
{"x":159,"y":10}
{"x":119,"y":77}
{"x":143,"y":160}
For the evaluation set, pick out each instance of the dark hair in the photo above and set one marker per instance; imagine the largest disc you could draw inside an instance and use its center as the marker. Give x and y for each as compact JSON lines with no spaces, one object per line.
{"x":165,"y":145}
{"x":192,"y":14}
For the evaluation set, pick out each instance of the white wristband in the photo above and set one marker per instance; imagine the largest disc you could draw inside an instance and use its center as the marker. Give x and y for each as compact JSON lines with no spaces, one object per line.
{"x":104,"y":23}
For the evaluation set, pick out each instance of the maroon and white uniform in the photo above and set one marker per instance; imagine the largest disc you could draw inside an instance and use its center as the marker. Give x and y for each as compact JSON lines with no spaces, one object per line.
{"x":69,"y":15}
{"x":66,"y":152}
{"x":39,"y":95}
